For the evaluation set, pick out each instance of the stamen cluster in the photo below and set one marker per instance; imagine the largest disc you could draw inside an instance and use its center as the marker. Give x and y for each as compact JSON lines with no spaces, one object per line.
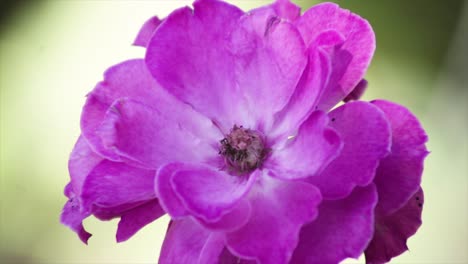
{"x":243,"y":149}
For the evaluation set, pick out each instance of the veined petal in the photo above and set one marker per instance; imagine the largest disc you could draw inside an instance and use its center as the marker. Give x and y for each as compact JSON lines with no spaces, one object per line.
{"x":279,"y":209}
{"x":188,"y":57}
{"x":399,"y":174}
{"x":305,"y":96}
{"x":111,"y":184}
{"x":366,"y":135}
{"x":308,"y":153}
{"x":350,"y":58}
{"x":392,"y":230}
{"x":270,"y":57}
{"x":342,"y":230}
{"x":150,"y":137}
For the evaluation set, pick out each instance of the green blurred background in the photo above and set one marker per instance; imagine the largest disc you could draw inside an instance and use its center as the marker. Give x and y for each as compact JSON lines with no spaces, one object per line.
{"x":53,"y":52}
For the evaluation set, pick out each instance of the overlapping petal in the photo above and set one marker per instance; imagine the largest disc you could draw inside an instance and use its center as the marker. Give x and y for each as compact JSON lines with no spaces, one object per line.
{"x":213,"y":197}
{"x":309,"y":152}
{"x":305,"y":96}
{"x":111,"y":184}
{"x":279,"y":209}
{"x":399,"y":175}
{"x":72,"y":215}
{"x":150,"y":137}
{"x":270,"y":57}
{"x":392,"y":230}
{"x":207,"y":192}
{"x":227,"y":257}
{"x":350,"y":58}
{"x":342,"y":230}
{"x":146,"y":32}
{"x":188,"y":242}
{"x":129,"y":79}
{"x":82,"y":160}
{"x":366,"y":135}
{"x":188,"y":57}
{"x":133,"y":220}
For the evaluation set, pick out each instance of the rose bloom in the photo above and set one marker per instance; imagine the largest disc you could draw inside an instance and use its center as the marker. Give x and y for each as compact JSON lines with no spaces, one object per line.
{"x":228,"y":126}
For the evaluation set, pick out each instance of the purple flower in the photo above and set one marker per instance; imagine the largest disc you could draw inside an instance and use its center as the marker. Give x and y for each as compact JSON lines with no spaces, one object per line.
{"x":226,"y":126}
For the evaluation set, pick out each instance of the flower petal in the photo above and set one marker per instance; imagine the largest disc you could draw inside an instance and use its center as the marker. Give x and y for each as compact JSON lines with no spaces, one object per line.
{"x":72,"y":216}
{"x":392,"y":231}
{"x":129,"y":79}
{"x":279,"y":209}
{"x":234,"y":219}
{"x":209,"y":193}
{"x":111,"y":184}
{"x":148,"y":137}
{"x":134,"y":220}
{"x":270,"y":57}
{"x":342,"y":230}
{"x":304,"y":99}
{"x":399,"y":174}
{"x":357,"y":92}
{"x":146,"y":32}
{"x":188,"y":57}
{"x":286,"y":10}
{"x":351,"y":58}
{"x":82,"y":161}
{"x":165,"y":192}
{"x":309,"y":152}
{"x":365,"y":133}
{"x":227,"y":257}
{"x":187,"y":242}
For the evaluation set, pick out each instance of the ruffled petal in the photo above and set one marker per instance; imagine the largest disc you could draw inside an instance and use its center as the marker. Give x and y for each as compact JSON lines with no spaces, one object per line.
{"x":166,"y":194}
{"x":350,"y":58}
{"x":304,"y":99}
{"x":72,"y":215}
{"x":188,"y":242}
{"x":309,"y":152}
{"x":188,"y":57}
{"x":150,"y":137}
{"x":342,"y":230}
{"x":207,"y":192}
{"x":82,"y":161}
{"x":392,"y":231}
{"x":146,"y":32}
{"x":399,"y":174}
{"x":129,"y":79}
{"x":111,"y":184}
{"x":134,"y":220}
{"x":279,"y":209}
{"x":270,"y":57}
{"x":231,"y":214}
{"x":365,"y":133}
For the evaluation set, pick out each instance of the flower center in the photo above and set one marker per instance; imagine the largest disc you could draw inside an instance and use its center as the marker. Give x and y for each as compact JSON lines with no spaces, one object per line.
{"x":243,"y":149}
